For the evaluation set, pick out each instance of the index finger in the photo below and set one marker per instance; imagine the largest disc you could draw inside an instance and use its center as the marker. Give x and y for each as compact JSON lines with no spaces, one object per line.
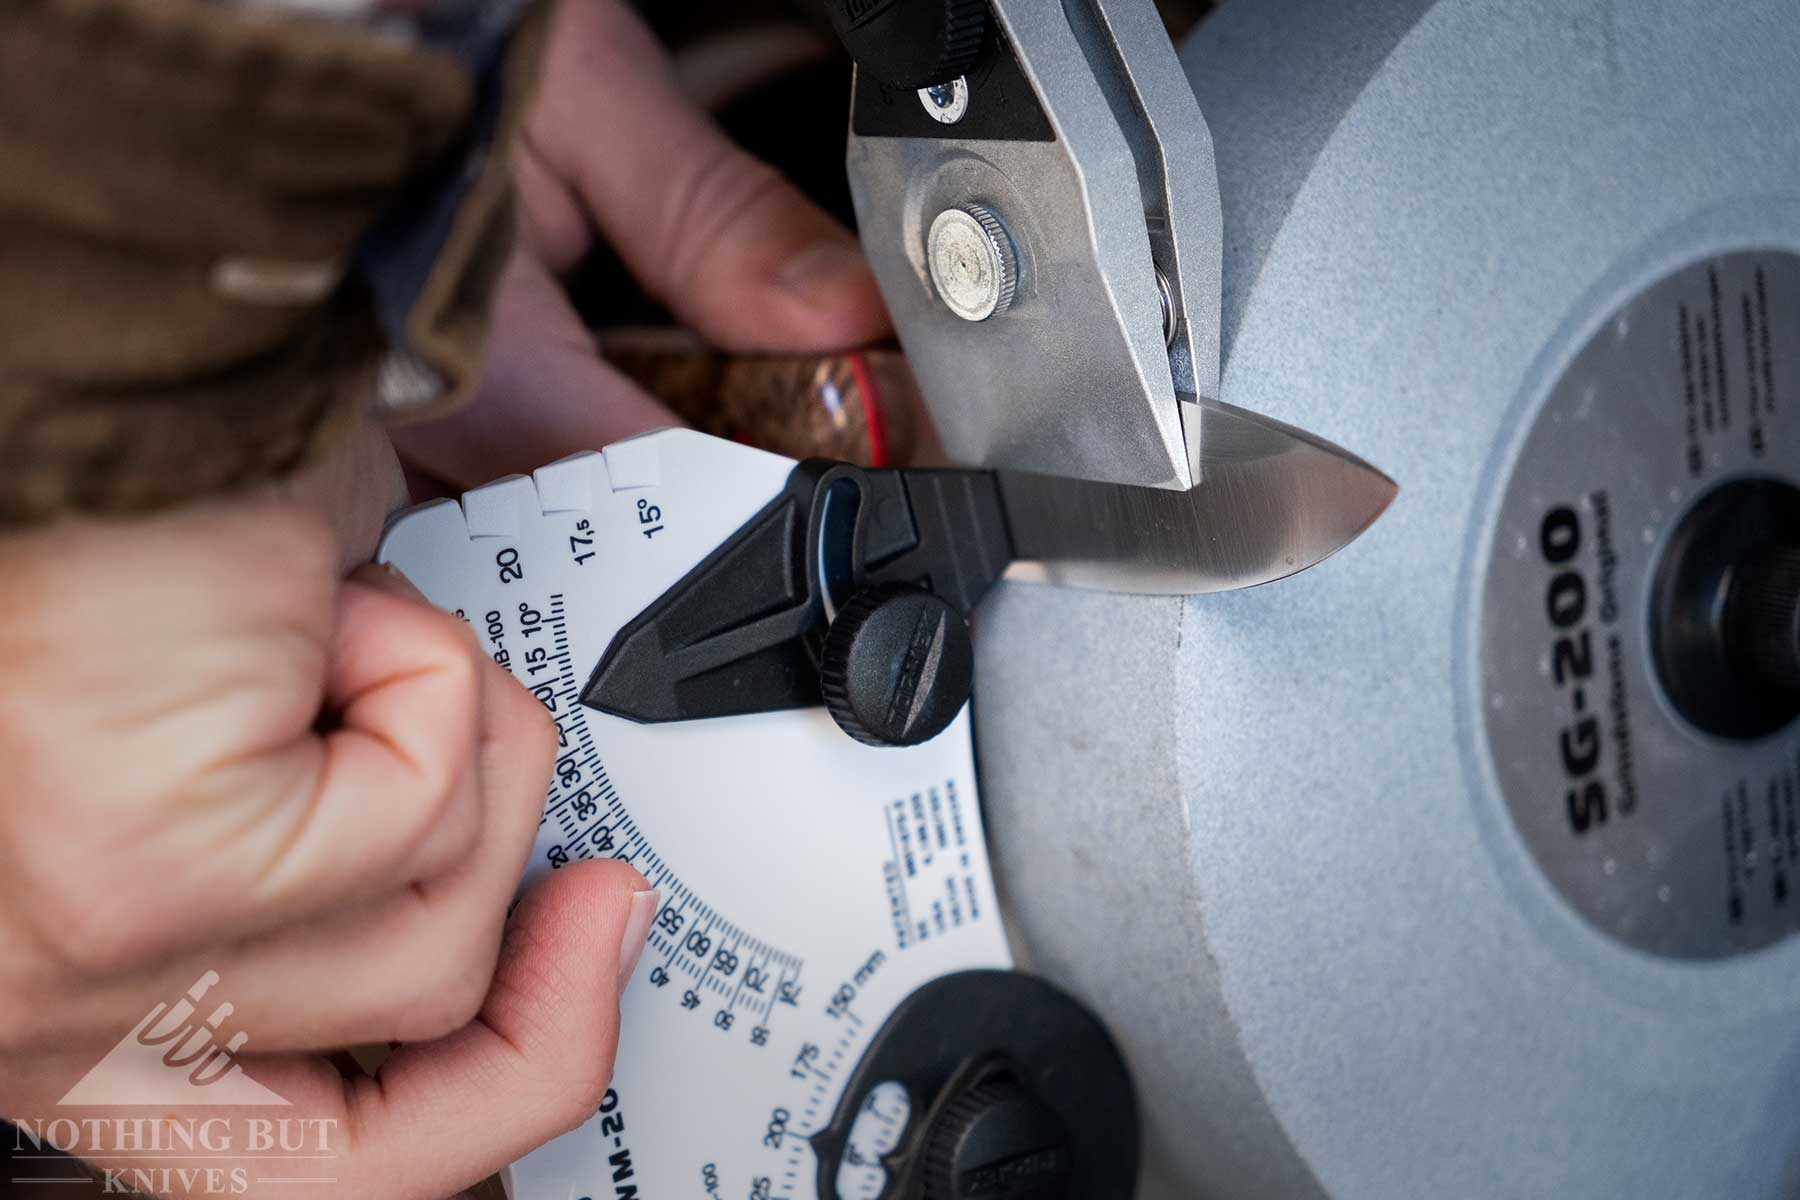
{"x":719,"y":236}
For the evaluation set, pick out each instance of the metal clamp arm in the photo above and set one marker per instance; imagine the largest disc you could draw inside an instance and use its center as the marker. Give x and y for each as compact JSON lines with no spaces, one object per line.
{"x":1066,"y":321}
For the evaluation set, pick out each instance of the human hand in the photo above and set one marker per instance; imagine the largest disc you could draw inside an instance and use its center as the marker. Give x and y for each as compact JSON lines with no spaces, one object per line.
{"x":614,"y":150}
{"x":223,"y":757}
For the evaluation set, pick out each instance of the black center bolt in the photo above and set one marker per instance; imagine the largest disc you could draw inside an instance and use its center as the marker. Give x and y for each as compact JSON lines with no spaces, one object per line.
{"x":1762,"y":618}
{"x":1725,"y":610}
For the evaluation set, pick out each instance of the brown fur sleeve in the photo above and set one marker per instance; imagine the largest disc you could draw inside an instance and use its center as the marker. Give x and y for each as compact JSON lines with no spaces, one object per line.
{"x":182,"y":188}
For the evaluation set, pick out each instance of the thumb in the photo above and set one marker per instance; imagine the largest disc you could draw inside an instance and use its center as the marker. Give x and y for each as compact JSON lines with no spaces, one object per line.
{"x":440,"y":1116}
{"x":720,"y":237}
{"x":536,"y":1061}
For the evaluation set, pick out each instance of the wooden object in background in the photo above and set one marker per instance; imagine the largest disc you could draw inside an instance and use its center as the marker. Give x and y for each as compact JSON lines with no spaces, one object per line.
{"x":860,"y":406}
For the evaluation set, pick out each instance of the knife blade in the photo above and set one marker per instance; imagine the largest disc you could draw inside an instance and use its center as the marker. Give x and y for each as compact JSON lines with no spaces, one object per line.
{"x":753,"y":625}
{"x":1272,"y":500}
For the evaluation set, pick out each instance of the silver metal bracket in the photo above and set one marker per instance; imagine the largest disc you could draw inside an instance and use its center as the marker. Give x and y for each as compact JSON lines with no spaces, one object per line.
{"x":1112,"y":208}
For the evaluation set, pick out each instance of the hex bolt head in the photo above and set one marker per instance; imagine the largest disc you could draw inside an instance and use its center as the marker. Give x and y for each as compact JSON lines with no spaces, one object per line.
{"x":972,"y":262}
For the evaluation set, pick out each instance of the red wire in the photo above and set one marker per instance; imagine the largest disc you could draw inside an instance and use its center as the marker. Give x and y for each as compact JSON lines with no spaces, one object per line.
{"x":872,"y":410}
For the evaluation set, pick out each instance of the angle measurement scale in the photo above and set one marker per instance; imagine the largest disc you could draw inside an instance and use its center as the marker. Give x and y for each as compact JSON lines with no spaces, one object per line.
{"x":809,"y":883}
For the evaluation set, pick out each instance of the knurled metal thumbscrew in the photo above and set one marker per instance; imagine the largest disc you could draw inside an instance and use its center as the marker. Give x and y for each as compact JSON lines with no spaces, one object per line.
{"x":972,"y":261}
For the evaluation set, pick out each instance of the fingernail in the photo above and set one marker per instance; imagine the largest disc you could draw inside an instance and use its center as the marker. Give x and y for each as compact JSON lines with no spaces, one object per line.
{"x":637,"y":932}
{"x":823,"y":268}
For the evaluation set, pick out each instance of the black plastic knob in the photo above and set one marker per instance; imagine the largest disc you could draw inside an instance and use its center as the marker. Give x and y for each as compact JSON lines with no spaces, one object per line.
{"x":1014,"y":1092}
{"x":997,"y":1141}
{"x":1762,"y":620}
{"x":1723,"y":610}
{"x":897,"y":666}
{"x":911,"y":43}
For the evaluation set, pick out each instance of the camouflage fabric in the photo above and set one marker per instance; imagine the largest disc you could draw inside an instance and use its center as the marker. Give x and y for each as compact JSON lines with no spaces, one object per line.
{"x":188,"y":195}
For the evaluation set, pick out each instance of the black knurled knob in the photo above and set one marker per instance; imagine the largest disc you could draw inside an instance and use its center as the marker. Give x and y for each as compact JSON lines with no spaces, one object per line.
{"x":997,"y":1141}
{"x":1762,"y":618}
{"x":897,"y":666}
{"x":911,"y":43}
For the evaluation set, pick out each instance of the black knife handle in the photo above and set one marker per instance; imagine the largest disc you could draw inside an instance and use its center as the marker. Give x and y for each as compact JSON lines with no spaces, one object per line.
{"x":744,"y":631}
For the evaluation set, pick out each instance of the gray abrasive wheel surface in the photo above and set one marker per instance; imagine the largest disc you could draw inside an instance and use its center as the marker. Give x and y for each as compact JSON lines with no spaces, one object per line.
{"x":1311,"y":849}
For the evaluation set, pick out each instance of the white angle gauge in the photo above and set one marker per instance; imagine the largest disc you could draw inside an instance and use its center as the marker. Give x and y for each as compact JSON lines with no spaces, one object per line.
{"x":824,"y":1007}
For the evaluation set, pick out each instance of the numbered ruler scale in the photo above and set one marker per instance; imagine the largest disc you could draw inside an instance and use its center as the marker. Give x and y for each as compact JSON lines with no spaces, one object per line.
{"x":809,"y":883}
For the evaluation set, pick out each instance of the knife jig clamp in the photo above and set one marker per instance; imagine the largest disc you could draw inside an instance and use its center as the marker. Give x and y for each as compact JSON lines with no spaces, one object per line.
{"x":851,"y":588}
{"x":1042,"y":214}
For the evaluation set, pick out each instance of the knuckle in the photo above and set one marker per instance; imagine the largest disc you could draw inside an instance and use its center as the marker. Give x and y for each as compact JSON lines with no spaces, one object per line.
{"x":451,"y":997}
{"x":518,"y":745}
{"x":540,"y":762}
{"x":438,"y":820}
{"x":569,"y":1041}
{"x":591,"y":1084}
{"x":429,"y":813}
{"x":524,"y":726}
{"x":540,"y":726}
{"x":456,"y":834}
{"x":456,"y":652}
{"x":719,"y":187}
{"x":462,"y":667}
{"x":443,"y":765}
{"x":572,"y":1105}
{"x":462,"y":634}
{"x":91,"y":912}
{"x":433,"y":1014}
{"x":579,"y":1085}
{"x":87,"y":935}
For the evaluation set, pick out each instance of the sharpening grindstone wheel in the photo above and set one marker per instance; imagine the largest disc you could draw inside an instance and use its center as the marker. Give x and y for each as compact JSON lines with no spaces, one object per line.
{"x":1433,"y":871}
